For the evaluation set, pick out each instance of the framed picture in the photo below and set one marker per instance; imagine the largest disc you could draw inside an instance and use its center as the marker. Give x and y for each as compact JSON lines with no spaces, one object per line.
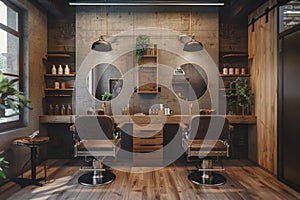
{"x":115,"y":86}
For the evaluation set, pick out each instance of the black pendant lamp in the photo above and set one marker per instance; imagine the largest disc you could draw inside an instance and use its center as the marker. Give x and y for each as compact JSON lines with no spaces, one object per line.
{"x":101,"y":45}
{"x":193,"y":45}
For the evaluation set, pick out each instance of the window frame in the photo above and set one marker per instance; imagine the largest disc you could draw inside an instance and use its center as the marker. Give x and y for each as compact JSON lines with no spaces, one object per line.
{"x":21,"y":122}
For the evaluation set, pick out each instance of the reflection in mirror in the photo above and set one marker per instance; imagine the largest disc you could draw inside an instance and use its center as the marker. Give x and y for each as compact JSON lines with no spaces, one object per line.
{"x":105,"y":79}
{"x":189,"y":82}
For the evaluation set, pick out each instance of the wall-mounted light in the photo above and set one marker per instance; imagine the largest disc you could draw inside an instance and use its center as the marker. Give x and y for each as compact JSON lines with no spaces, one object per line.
{"x":145,"y":3}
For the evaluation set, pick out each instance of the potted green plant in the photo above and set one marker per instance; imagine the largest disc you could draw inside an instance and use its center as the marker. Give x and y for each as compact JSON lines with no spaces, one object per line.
{"x":231,"y":102}
{"x":242,"y":93}
{"x":106,"y":96}
{"x":10,"y":98}
{"x":3,"y":166}
{"x":142,"y":43}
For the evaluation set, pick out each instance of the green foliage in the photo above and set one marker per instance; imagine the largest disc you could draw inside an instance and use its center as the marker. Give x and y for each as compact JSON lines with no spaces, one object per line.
{"x":242,"y":92}
{"x":3,"y":165}
{"x":106,"y":96}
{"x":241,"y":96}
{"x":10,"y":97}
{"x":142,"y":43}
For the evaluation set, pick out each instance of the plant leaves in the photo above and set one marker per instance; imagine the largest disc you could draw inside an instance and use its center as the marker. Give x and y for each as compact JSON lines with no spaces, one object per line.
{"x":2,"y":173}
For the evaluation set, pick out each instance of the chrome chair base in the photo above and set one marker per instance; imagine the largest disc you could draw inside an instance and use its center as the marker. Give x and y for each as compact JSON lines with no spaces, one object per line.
{"x":103,"y":178}
{"x":214,"y":179}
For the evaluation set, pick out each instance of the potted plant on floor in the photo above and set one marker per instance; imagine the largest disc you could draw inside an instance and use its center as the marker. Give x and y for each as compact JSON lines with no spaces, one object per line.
{"x":10,"y":98}
{"x":3,"y":166}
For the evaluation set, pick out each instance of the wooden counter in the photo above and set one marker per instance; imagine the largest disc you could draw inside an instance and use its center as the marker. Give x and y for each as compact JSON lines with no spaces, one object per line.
{"x":154,"y":119}
{"x":61,"y":138}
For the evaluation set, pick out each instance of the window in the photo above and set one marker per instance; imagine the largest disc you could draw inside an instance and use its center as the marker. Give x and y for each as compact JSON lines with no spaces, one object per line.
{"x":289,"y":15}
{"x":10,"y":54}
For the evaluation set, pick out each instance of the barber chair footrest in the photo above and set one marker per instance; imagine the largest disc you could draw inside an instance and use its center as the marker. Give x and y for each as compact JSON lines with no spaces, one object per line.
{"x":89,"y":180}
{"x":214,"y":179}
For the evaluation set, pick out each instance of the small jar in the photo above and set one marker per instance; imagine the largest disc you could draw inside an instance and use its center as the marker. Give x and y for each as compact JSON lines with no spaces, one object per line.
{"x":155,"y":49}
{"x":63,"y":85}
{"x":243,"y":71}
{"x":56,"y":85}
{"x":237,"y":71}
{"x":231,"y":70}
{"x":225,"y":70}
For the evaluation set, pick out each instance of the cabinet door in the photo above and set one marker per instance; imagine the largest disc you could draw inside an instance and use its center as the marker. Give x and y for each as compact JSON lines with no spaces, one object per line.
{"x":61,"y":144}
{"x":147,"y":75}
{"x":147,"y":79}
{"x":148,"y":143}
{"x":289,"y":137}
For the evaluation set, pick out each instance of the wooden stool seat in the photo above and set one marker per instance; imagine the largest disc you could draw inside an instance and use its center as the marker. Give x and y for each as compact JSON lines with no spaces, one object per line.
{"x":31,"y":141}
{"x":33,"y":144}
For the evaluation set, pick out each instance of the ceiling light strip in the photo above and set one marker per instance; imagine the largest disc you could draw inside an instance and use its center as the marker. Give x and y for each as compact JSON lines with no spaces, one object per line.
{"x":144,"y":4}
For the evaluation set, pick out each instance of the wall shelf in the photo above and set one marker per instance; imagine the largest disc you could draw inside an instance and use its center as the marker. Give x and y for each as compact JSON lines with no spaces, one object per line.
{"x":59,"y":75}
{"x":53,"y":89}
{"x":148,"y":75}
{"x":227,"y":89}
{"x":234,"y":75}
{"x":58,"y":95}
{"x":58,"y":55}
{"x":232,"y":55}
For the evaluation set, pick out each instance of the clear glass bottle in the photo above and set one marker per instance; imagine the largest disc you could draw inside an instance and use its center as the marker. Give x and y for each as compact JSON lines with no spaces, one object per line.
{"x":62,"y":110}
{"x":56,"y":110}
{"x":69,"y":110}
{"x":50,"y":110}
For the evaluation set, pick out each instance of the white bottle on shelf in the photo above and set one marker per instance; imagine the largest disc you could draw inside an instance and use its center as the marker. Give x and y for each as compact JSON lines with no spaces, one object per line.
{"x":67,"y":70}
{"x":60,"y":70}
{"x":53,"y":70}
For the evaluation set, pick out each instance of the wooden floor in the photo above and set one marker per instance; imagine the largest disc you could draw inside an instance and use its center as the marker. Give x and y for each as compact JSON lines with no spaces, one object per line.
{"x":244,"y":181}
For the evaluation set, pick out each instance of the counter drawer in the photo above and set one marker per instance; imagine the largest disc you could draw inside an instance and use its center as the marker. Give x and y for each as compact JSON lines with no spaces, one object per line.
{"x":153,"y":159}
{"x":147,"y":141}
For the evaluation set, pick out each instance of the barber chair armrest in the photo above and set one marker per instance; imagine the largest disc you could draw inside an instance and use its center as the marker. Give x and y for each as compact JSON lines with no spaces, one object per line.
{"x":183,"y":126}
{"x":118,"y":130}
{"x":226,"y":143}
{"x":72,"y":128}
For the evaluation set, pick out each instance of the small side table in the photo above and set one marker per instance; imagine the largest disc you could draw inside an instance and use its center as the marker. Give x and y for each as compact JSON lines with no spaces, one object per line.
{"x":33,"y":144}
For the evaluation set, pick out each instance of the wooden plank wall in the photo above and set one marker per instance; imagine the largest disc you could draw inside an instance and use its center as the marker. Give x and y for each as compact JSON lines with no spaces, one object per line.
{"x":262,"y":48}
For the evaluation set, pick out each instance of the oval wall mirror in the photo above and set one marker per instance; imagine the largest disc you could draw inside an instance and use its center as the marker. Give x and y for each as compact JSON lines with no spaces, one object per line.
{"x":105,"y":82}
{"x":189,"y":82}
